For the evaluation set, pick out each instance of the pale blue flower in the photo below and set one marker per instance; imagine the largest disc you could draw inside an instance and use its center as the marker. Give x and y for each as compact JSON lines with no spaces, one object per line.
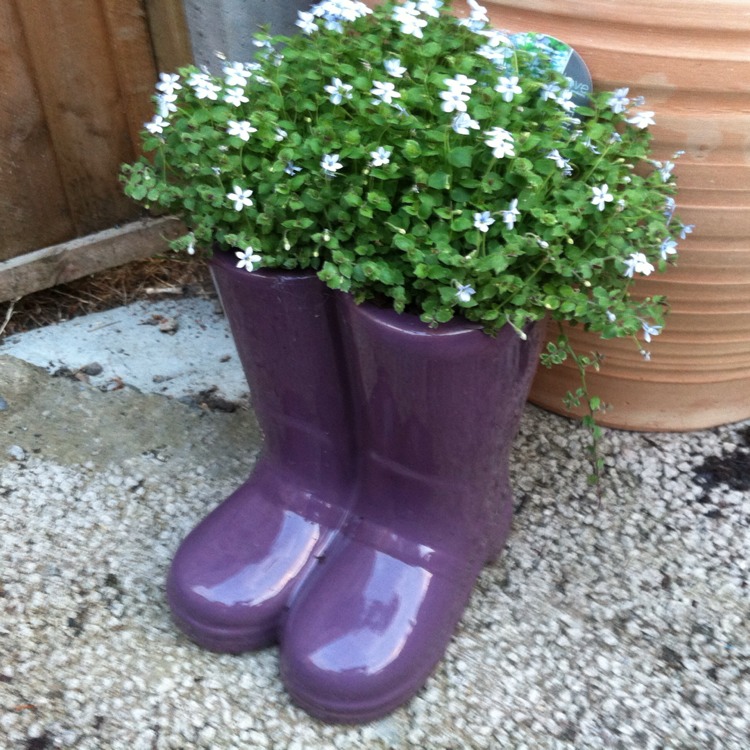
{"x":168,"y":83}
{"x":483,"y":221}
{"x":380,"y":157}
{"x":619,"y":101}
{"x":496,"y":55}
{"x":291,"y":168}
{"x":306,"y":22}
{"x":236,"y":74}
{"x":501,"y":142}
{"x":430,"y":7}
{"x":281,"y":134}
{"x":666,"y":170}
{"x":344,"y":10}
{"x":165,"y":104}
{"x":460,"y":83}
{"x":637,"y":263}
{"x":241,"y":129}
{"x":465,"y":292}
{"x":240,"y":197}
{"x":508,"y":88}
{"x":686,"y":230}
{"x":338,"y":91}
{"x":649,"y":331}
{"x":235,"y":96}
{"x":511,"y":213}
{"x":408,"y":16}
{"x":157,"y":125}
{"x":207,"y":90}
{"x":248,"y":259}
{"x":198,"y":78}
{"x":331,"y":163}
{"x":560,"y":161}
{"x":478,"y":17}
{"x":394,"y":68}
{"x":385,"y":92}
{"x":669,"y":208}
{"x":549,"y":91}
{"x":453,"y":101}
{"x":668,"y":247}
{"x":565,"y":100}
{"x":642,"y":119}
{"x":462,"y":122}
{"x":602,"y":196}
{"x":611,"y":317}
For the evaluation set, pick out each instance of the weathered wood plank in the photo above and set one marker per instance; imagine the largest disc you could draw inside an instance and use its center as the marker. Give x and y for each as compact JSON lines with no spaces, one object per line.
{"x":71,"y":56}
{"x":132,"y":56}
{"x":33,"y":210}
{"x":169,"y":34}
{"x":80,"y":257}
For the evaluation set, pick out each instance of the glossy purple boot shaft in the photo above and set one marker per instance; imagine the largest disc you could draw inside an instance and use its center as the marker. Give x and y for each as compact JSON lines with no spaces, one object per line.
{"x":437,"y":411}
{"x":232,"y":578}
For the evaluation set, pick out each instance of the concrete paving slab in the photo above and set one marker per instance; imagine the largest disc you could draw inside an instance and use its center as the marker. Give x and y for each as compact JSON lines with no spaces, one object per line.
{"x":175,"y":347}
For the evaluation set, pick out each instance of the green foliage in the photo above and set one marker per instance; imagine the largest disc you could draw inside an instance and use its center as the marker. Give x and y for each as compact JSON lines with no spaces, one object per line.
{"x":397,"y":218}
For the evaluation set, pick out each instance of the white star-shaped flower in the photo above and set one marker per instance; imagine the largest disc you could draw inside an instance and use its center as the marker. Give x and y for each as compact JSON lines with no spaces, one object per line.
{"x":462,"y":122}
{"x":168,"y":83}
{"x":649,"y":331}
{"x":501,"y":143}
{"x":240,"y":198}
{"x":602,"y":196}
{"x":508,"y":87}
{"x":619,"y":101}
{"x":306,"y":22}
{"x":338,"y":91}
{"x":511,"y":213}
{"x":157,"y":125}
{"x":236,"y":74}
{"x":330,"y":163}
{"x":454,"y":100}
{"x":637,"y":263}
{"x":642,"y":119}
{"x":394,"y":67}
{"x":483,"y":221}
{"x":248,"y":258}
{"x":668,"y":247}
{"x":385,"y":92}
{"x":460,"y":83}
{"x":430,"y":7}
{"x":380,"y":157}
{"x":241,"y":129}
{"x":465,"y":292}
{"x":235,"y":96}
{"x":560,"y":161}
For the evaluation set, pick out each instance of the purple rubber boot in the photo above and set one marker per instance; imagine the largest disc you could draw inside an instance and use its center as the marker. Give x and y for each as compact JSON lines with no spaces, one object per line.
{"x":437,"y":413}
{"x":232,"y":577}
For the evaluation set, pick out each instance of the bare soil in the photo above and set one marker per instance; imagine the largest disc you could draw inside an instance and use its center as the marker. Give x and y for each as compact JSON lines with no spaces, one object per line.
{"x":152,"y":278}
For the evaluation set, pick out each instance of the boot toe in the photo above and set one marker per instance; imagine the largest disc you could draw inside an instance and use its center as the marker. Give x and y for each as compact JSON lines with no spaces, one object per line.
{"x":232,"y":577}
{"x":365,"y":634}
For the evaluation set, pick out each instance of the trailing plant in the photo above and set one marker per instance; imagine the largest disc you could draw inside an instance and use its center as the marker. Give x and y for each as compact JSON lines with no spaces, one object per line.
{"x":434,"y":162}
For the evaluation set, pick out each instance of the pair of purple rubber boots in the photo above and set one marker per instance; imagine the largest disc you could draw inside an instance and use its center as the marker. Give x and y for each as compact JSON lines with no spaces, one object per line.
{"x":381,"y":491}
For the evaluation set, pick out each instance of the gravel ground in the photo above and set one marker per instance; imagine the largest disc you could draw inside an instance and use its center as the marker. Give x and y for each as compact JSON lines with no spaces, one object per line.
{"x":620,"y":623}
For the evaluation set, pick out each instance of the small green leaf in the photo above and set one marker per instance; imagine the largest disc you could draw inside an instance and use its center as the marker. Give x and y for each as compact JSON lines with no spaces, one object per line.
{"x":461,"y":157}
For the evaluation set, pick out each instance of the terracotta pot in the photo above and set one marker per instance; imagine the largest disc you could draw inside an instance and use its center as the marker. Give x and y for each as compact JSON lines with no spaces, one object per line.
{"x":691,"y":60}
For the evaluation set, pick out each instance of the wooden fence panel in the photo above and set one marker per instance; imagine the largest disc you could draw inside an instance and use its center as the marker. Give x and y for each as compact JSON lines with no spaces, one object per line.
{"x":33,"y":209}
{"x":73,"y":57}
